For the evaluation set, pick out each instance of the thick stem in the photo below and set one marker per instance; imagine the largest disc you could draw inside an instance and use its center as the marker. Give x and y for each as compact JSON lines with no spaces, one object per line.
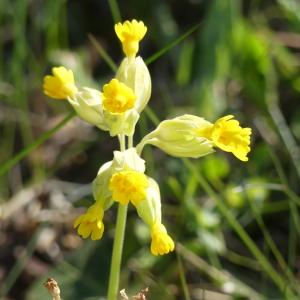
{"x":114,"y":277}
{"x":113,"y":286}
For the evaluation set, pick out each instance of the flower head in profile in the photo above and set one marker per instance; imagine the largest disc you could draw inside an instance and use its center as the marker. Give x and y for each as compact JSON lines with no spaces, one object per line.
{"x":128,"y":186}
{"x":60,"y":85}
{"x":149,"y":210}
{"x":90,"y":223}
{"x":227,"y":134}
{"x":117,"y":97}
{"x":161,"y":242}
{"x":192,"y":136}
{"x":130,"y":33}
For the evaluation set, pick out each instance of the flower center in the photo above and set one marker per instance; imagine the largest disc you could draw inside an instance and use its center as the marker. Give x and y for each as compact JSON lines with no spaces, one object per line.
{"x":128,"y":186}
{"x":117,"y":97}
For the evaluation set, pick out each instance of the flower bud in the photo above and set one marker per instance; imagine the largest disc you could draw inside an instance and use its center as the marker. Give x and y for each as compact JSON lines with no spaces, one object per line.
{"x":88,"y":105}
{"x":135,"y":74}
{"x":178,"y":137}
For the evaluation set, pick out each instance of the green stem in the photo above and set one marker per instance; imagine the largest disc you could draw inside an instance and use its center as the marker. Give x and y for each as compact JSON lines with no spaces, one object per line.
{"x":182,"y":278}
{"x":114,"y":277}
{"x":130,"y":141}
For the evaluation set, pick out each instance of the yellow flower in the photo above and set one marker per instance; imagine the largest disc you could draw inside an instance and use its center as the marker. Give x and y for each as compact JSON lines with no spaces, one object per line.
{"x":228,"y":135}
{"x":90,"y":223}
{"x":61,"y":85}
{"x":161,"y":243}
{"x":117,"y":97}
{"x":128,"y":186}
{"x":130,"y":33}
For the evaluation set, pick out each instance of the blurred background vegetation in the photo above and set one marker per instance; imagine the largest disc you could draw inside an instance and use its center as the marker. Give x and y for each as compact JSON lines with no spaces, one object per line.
{"x":237,"y":224}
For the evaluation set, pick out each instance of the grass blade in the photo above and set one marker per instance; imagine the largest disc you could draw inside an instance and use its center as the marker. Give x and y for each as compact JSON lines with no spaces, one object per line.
{"x":44,"y":137}
{"x":264,"y":262}
{"x":182,"y":277}
{"x":171,"y":45}
{"x":103,"y":53}
{"x":21,"y":262}
{"x":115,"y":11}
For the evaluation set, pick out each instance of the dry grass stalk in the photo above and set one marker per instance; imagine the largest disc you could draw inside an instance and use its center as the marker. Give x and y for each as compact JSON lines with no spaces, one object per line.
{"x":53,"y":288}
{"x":140,"y":296}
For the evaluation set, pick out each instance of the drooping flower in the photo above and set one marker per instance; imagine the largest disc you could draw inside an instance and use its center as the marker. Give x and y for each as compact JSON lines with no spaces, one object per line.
{"x":161,"y":243}
{"x":227,"y":134}
{"x":149,"y":210}
{"x":177,"y":137}
{"x":130,"y":33}
{"x":128,"y":186}
{"x":117,"y":97}
{"x":192,"y":136}
{"x":90,"y":223}
{"x":60,"y":85}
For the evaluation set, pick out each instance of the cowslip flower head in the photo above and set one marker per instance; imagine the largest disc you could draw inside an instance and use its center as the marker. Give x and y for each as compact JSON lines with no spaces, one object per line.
{"x":149,"y":210}
{"x":117,"y":97}
{"x":123,"y":161}
{"x":118,"y":102}
{"x":90,"y":223}
{"x":135,"y":74}
{"x":130,"y":33}
{"x":88,"y":105}
{"x":60,"y":85}
{"x":161,"y":242}
{"x":227,"y":134}
{"x":128,"y":186}
{"x":177,"y":137}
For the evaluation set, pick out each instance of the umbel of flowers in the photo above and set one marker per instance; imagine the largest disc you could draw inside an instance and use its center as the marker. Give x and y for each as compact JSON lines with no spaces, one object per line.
{"x":116,"y":108}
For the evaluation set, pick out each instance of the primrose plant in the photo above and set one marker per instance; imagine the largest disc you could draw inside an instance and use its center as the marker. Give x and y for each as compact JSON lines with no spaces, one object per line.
{"x":117,"y":109}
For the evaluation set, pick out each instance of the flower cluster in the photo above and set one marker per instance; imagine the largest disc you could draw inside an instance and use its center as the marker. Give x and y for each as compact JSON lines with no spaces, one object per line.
{"x":117,"y":109}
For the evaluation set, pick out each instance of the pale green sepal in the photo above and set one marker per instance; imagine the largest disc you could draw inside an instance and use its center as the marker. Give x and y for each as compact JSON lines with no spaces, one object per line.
{"x":101,"y":191}
{"x":88,"y":105}
{"x":121,"y":123}
{"x":178,"y":137}
{"x":149,"y":210}
{"x":128,"y":160}
{"x":135,"y":74}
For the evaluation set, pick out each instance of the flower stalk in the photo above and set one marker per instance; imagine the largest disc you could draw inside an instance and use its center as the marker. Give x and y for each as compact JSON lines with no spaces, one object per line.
{"x":114,"y":277}
{"x":115,"y":267}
